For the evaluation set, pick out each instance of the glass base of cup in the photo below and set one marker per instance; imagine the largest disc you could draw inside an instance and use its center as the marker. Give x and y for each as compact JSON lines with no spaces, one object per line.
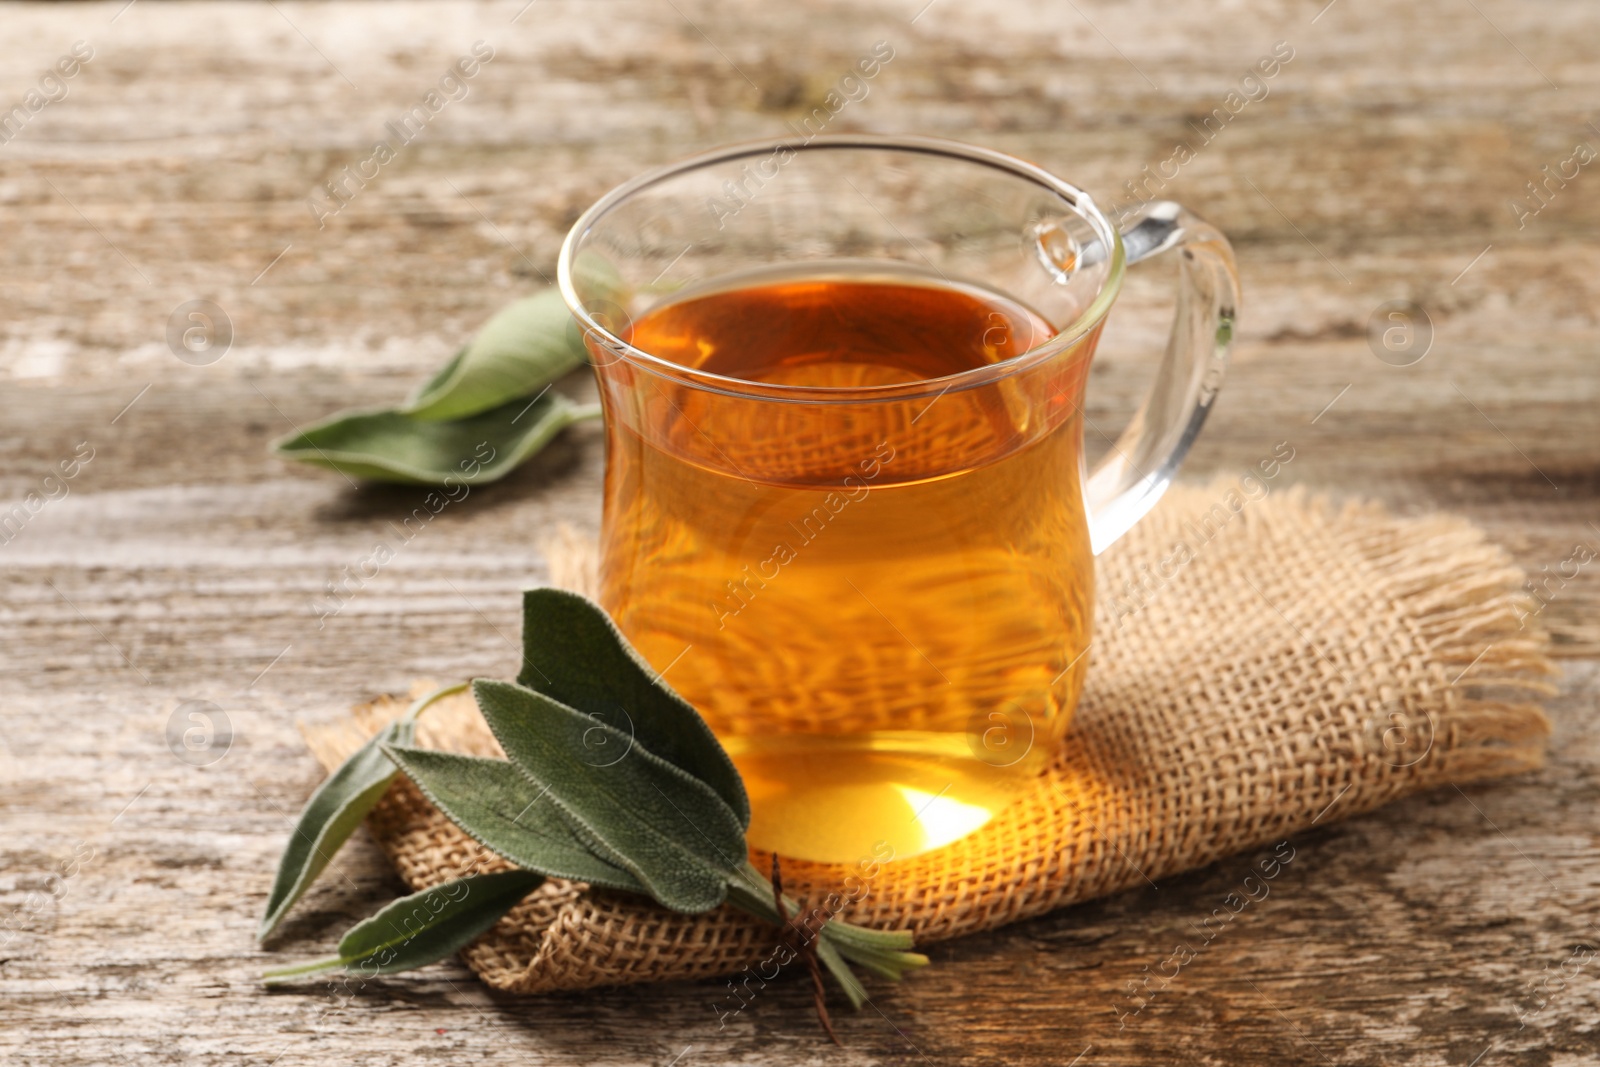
{"x":872,"y":796}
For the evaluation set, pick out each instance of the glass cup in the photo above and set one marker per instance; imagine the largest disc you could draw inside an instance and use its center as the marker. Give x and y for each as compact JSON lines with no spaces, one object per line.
{"x":846,"y":509}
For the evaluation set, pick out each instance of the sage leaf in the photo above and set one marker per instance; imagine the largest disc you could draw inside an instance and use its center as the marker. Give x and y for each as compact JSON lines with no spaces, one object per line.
{"x":435,"y":923}
{"x":494,"y":803}
{"x":330,"y":817}
{"x":390,"y":446}
{"x":666,"y":826}
{"x":424,"y":927}
{"x":573,"y":653}
{"x":890,"y":964}
{"x":834,"y":962}
{"x":524,"y":347}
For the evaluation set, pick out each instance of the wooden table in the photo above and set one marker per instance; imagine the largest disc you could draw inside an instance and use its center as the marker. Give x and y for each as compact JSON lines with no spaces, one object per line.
{"x":181,"y":562}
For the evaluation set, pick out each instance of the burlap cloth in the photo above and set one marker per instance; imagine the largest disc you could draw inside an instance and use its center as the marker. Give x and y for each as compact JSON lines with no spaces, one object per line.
{"x":1310,"y":663}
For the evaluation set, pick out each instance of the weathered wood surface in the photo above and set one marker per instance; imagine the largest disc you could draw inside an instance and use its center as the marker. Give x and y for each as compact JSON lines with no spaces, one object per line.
{"x":1453,"y":928}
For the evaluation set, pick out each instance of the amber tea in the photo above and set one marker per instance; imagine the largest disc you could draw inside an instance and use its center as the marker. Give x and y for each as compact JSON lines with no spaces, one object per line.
{"x":882,"y":612}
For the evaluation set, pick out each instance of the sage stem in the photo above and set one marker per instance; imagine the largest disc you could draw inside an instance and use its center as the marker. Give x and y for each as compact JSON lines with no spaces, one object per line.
{"x":283,"y":974}
{"x":416,"y":709}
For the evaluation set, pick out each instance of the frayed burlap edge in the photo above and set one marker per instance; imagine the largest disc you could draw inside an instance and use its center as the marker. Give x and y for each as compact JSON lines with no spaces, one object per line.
{"x":1316,"y":635}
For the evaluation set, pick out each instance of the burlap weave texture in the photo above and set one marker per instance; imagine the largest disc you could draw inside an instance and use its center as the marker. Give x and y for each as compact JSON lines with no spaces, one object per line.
{"x":1308,"y":663}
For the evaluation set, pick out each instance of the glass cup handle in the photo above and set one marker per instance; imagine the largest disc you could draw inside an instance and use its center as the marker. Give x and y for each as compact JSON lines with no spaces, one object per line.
{"x":1129,"y":481}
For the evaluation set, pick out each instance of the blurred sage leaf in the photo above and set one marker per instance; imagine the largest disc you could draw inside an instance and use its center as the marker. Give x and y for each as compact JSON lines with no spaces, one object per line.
{"x":390,"y":446}
{"x":424,"y":927}
{"x":524,"y":347}
{"x":492,"y":802}
{"x":573,"y":653}
{"x":836,"y":965}
{"x":330,"y":817}
{"x":669,"y":828}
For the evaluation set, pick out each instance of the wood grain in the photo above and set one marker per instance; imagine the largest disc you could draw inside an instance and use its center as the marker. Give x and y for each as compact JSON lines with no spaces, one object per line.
{"x":184,"y":561}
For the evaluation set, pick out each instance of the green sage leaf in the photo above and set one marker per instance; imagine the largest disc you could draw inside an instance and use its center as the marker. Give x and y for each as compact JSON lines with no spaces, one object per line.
{"x":862,"y":940}
{"x":526,"y":345}
{"x":435,"y":923}
{"x":496,"y":805}
{"x":573,"y":653}
{"x":424,"y":927}
{"x":669,"y":828}
{"x":389,"y":446}
{"x":892,"y":964}
{"x":330,"y":817}
{"x":834,"y":962}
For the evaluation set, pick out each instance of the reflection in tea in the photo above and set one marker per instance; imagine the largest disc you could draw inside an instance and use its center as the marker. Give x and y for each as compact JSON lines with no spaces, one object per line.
{"x":879,"y":602}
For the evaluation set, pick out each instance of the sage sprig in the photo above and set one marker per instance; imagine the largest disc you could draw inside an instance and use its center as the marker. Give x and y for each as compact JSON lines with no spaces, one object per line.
{"x":611,"y":778}
{"x":479,"y":417}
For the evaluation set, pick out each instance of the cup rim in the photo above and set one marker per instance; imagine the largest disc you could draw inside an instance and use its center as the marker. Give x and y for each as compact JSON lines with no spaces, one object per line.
{"x":1067,"y":337}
